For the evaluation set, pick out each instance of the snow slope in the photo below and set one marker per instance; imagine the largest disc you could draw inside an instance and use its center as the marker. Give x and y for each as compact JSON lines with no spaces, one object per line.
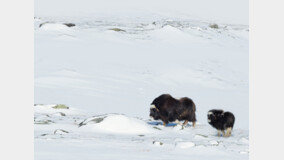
{"x":104,"y":71}
{"x":123,"y":54}
{"x":115,"y":136}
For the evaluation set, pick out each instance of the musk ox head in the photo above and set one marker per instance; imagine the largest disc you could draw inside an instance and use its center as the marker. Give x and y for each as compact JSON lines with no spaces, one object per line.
{"x":214,"y":115}
{"x":154,"y":113}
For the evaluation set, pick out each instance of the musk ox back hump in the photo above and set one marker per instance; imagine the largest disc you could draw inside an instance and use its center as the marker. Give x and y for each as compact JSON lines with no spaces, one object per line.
{"x":186,"y":110}
{"x":188,"y":103}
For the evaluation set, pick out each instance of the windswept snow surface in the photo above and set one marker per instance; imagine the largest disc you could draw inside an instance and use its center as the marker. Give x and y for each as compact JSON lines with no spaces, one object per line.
{"x":119,"y":57}
{"x":75,"y":135}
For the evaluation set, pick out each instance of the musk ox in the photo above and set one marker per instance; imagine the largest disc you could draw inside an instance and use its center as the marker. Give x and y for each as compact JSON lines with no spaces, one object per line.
{"x":169,"y":109}
{"x":222,"y":121}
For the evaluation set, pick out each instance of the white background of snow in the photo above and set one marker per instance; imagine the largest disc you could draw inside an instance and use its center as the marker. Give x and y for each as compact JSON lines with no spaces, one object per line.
{"x":87,"y":68}
{"x":84,"y":66}
{"x":126,"y":137}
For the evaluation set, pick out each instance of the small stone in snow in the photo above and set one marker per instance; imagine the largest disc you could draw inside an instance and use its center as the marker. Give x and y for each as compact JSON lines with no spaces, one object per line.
{"x":157,"y":128}
{"x":69,"y":24}
{"x":157,"y":143}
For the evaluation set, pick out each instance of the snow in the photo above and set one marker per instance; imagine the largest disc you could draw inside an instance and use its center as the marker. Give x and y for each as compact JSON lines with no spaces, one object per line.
{"x":108,"y":77}
{"x":229,"y":11}
{"x":119,"y":124}
{"x":213,"y":142}
{"x":48,"y":109}
{"x":78,"y":136}
{"x":184,"y":145}
{"x":85,"y":67}
{"x":54,"y":27}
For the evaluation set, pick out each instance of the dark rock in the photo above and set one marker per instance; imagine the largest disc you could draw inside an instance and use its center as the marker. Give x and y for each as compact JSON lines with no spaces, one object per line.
{"x":69,"y":24}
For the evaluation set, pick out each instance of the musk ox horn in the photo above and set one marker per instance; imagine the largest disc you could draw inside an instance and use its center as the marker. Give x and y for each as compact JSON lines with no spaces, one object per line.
{"x":153,"y":106}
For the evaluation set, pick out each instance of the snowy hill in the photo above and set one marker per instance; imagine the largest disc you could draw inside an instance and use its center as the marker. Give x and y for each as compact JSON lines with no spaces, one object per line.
{"x":119,"y":56}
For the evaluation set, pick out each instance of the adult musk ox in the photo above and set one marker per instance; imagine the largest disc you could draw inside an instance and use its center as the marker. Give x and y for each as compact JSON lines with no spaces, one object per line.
{"x":169,"y":109}
{"x":222,"y":121}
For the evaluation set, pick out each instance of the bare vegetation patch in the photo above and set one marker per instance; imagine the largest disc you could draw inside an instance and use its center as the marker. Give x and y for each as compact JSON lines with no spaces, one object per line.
{"x":117,"y":30}
{"x":60,"y":106}
{"x":214,"y":26}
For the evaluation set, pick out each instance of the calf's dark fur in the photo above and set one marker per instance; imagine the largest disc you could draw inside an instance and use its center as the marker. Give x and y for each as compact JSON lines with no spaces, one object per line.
{"x":222,"y":121}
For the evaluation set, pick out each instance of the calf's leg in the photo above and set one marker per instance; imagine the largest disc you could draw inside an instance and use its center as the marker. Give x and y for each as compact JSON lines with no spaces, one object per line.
{"x":223,"y":133}
{"x":228,"y":132}
{"x":219,"y":133}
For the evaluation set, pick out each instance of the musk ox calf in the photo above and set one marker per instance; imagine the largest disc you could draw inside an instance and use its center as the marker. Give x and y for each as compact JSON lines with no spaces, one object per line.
{"x":169,"y":109}
{"x":222,"y":121}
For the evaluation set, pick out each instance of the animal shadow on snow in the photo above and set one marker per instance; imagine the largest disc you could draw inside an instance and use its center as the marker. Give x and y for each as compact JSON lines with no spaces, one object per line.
{"x":171,"y":124}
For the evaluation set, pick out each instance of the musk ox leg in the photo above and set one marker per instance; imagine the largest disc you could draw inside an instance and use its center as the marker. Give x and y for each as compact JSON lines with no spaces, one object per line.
{"x":185,"y":123}
{"x":193,"y":124}
{"x":219,"y":133}
{"x":223,"y":133}
{"x":228,"y":132}
{"x":193,"y":120}
{"x":165,"y":121}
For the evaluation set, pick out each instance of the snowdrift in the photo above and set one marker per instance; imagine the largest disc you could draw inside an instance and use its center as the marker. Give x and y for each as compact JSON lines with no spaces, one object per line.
{"x":61,"y":130}
{"x":115,"y":123}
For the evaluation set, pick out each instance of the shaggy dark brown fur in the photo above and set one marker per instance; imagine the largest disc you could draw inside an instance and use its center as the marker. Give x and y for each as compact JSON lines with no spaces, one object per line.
{"x":169,"y":109}
{"x":222,"y":121}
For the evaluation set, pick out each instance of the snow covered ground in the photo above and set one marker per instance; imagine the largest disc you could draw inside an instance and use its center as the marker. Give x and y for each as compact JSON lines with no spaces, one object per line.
{"x":72,"y":134}
{"x":118,"y":57}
